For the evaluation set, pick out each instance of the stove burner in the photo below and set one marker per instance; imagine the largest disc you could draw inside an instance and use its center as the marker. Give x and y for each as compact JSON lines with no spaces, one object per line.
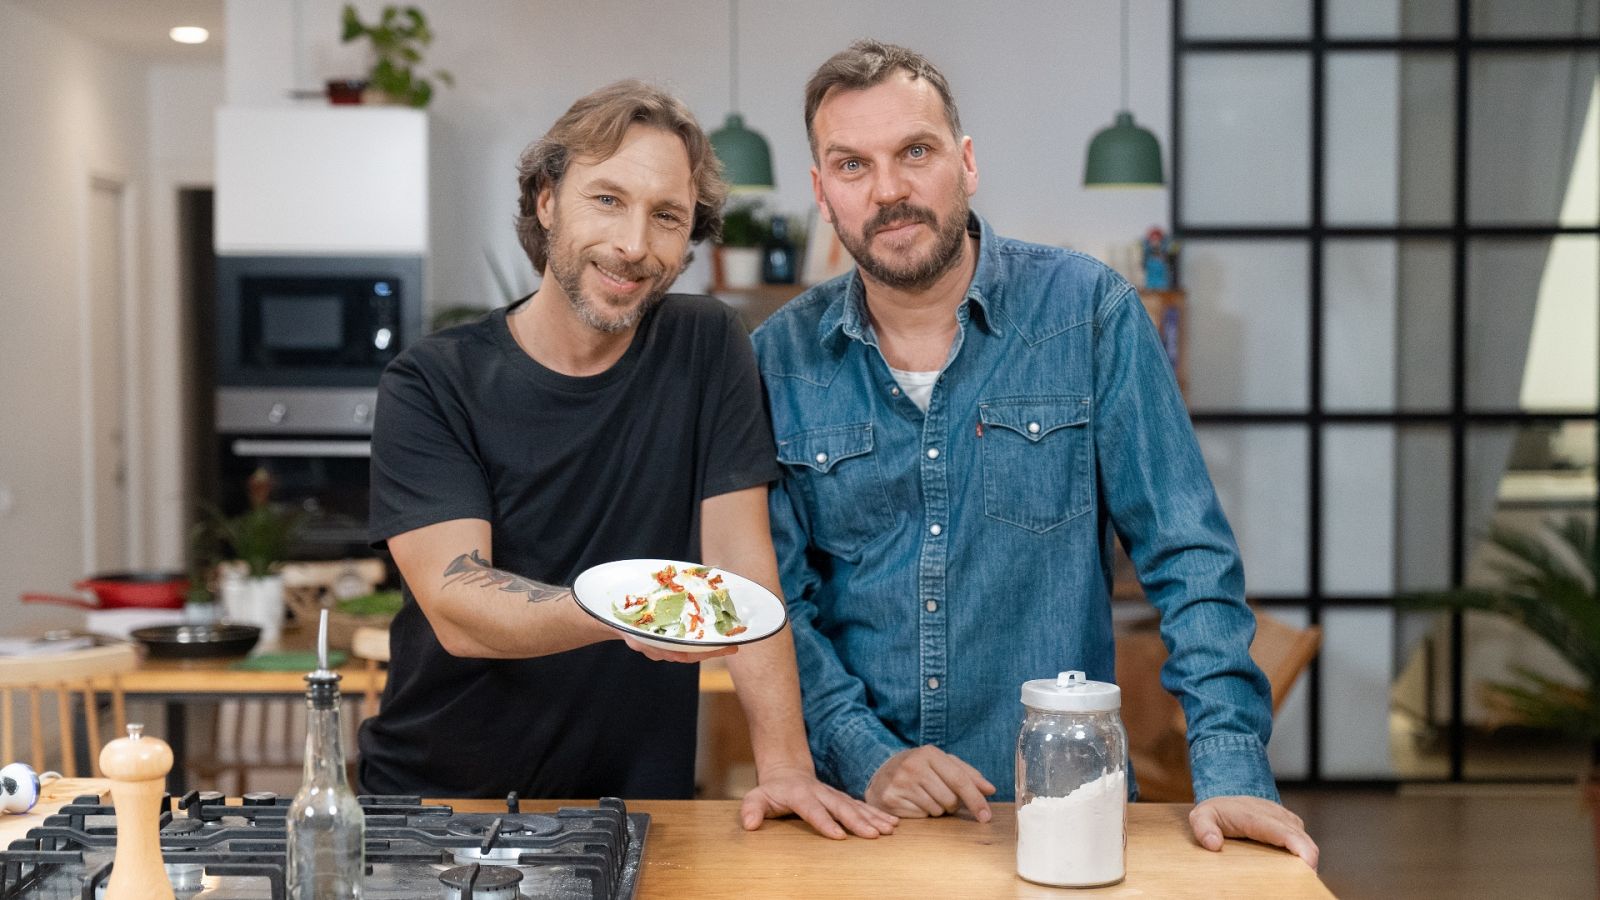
{"x":181,"y":827}
{"x":477,"y":882}
{"x":538,"y":826}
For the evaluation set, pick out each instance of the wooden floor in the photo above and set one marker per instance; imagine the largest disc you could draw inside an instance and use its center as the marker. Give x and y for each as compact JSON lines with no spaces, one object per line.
{"x":1451,"y":842}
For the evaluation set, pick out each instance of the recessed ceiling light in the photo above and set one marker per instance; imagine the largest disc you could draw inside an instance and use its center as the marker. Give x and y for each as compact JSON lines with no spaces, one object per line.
{"x":189,"y":34}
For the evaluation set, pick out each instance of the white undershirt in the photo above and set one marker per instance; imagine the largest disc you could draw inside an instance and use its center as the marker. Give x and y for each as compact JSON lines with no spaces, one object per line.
{"x":918,"y":386}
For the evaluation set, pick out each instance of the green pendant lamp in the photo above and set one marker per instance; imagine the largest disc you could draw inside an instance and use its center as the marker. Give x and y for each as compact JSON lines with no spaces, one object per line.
{"x":1124,"y":155}
{"x":746,"y":158}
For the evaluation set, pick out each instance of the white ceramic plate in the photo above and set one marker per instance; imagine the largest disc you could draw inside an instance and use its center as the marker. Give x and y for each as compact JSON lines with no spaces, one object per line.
{"x":597,"y":588}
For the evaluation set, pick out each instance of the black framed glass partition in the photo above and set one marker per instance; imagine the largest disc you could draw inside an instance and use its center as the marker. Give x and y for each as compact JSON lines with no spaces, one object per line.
{"x":1390,"y":216}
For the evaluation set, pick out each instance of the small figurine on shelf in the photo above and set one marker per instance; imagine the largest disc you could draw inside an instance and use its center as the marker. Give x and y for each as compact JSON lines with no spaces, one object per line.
{"x":1160,"y":260}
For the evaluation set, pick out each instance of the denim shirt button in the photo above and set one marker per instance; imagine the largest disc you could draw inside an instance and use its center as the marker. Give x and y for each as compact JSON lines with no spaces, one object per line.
{"x":1033,"y":427}
{"x":822,"y":458}
{"x":894,"y":392}
{"x":933,"y":452}
{"x":934,"y":529}
{"x":933,"y":684}
{"x":933,"y":606}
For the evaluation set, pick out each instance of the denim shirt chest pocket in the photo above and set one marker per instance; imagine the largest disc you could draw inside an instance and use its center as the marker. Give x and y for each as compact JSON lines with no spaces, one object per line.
{"x":839,"y":477}
{"x":1037,"y":471}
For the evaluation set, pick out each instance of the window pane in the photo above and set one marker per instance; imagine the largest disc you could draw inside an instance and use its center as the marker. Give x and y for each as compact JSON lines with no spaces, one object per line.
{"x":1547,"y":18}
{"x":1532,"y":331}
{"x":1289,"y":748}
{"x":1512,"y":487}
{"x":1223,"y":19}
{"x":1382,"y":354}
{"x":1260,"y":476}
{"x":1419,"y":708}
{"x":1423,"y":526}
{"x":1357,"y":672}
{"x":1391,"y":19}
{"x":1247,"y":313}
{"x":1246,"y":139}
{"x":1532,"y":143}
{"x":1389,"y":136}
{"x":1359,"y":476}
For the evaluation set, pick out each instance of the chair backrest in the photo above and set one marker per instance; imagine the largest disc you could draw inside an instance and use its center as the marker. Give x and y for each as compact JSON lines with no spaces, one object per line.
{"x":68,"y":675}
{"x":371,"y":644}
{"x":1157,"y":733}
{"x":1283,"y":652}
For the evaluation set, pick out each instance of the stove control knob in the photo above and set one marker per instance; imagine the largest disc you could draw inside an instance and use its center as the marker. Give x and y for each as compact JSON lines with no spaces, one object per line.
{"x":277,"y":413}
{"x":260,"y":798}
{"x":513,"y":804}
{"x":362,"y":413}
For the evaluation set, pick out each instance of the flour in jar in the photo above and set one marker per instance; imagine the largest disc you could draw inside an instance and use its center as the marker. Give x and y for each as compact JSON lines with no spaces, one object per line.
{"x":1077,"y":839}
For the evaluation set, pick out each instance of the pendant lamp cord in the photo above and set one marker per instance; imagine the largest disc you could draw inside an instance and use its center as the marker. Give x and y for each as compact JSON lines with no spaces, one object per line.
{"x":1124,"y":54}
{"x":733,"y":55}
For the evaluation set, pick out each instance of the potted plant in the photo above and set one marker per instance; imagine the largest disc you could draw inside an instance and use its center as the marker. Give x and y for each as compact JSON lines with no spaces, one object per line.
{"x":745,"y":227}
{"x":397,"y":40}
{"x":1548,"y":586}
{"x":255,"y":542}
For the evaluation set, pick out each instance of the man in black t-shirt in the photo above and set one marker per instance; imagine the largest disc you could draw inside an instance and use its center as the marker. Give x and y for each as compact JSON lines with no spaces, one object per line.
{"x":594,"y":420}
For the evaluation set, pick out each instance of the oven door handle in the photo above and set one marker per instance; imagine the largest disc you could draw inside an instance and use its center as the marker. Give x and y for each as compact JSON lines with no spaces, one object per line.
{"x":245,"y":447}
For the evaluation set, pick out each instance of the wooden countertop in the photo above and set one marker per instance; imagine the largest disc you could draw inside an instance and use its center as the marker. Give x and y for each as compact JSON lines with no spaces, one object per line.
{"x":696,"y":848}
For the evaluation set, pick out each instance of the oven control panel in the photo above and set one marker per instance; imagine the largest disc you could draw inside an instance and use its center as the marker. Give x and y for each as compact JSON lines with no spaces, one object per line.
{"x":296,"y":410}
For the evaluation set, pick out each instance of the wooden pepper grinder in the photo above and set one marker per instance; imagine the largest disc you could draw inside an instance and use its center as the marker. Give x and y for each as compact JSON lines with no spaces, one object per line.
{"x":138,"y":767}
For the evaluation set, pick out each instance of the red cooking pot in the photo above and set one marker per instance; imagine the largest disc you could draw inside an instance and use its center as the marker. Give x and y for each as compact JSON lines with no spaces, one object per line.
{"x":125,"y":590}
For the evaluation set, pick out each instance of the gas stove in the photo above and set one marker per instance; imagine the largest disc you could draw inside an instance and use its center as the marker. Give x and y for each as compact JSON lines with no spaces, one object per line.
{"x":236,"y":851}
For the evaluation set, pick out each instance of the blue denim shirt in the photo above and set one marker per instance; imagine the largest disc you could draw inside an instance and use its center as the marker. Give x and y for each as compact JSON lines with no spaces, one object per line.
{"x":935,"y":561}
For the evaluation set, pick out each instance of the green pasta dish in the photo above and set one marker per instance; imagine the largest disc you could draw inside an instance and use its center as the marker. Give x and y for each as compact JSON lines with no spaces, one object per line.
{"x":681,"y":605}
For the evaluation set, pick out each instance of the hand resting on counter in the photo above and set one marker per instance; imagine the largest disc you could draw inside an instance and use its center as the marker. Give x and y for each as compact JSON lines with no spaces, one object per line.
{"x":926,"y":781}
{"x":823,"y":807}
{"x":1253,"y":818}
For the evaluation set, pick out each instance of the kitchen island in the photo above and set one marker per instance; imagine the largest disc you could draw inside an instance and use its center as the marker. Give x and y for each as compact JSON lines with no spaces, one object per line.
{"x":696,"y":848}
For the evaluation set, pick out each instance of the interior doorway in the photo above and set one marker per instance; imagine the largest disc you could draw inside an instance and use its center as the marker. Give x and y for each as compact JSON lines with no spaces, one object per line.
{"x":109,"y":507}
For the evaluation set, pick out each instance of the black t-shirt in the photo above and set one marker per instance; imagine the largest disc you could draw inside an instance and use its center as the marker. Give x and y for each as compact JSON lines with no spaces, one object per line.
{"x":569,"y":472}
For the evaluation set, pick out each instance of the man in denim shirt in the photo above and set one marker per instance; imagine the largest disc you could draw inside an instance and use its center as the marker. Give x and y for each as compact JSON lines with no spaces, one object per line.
{"x":966,"y":423}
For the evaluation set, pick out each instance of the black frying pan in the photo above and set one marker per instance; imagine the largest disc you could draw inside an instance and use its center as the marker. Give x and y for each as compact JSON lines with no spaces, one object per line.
{"x":197,"y":641}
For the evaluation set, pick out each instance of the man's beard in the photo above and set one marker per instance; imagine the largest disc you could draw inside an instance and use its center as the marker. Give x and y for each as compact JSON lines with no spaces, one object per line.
{"x":914,"y":275}
{"x":567,"y":266}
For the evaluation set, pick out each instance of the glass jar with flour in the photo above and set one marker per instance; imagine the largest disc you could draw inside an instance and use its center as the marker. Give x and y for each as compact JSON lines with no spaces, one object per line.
{"x":1072,"y":783}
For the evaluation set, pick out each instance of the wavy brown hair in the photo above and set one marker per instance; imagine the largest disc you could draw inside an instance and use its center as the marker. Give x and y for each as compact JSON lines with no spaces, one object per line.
{"x":592,"y":129}
{"x":868,"y":63}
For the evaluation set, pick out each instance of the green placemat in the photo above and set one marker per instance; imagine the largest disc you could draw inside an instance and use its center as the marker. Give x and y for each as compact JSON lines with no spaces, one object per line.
{"x":301,"y":661}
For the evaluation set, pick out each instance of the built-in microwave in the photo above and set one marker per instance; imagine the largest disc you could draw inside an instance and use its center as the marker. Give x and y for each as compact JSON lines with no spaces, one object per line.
{"x":308,"y":321}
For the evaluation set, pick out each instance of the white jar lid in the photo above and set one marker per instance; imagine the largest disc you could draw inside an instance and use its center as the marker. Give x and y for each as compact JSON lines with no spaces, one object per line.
{"x":1072,"y":692}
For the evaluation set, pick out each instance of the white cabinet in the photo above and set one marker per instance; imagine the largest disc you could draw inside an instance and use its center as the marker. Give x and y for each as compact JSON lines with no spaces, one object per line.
{"x":326,"y":180}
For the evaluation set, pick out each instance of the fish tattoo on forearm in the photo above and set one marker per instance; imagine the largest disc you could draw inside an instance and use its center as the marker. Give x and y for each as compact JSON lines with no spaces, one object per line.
{"x":472,"y":570}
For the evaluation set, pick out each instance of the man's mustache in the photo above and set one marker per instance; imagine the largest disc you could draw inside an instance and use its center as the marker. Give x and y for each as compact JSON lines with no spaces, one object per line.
{"x":901,"y":213}
{"x":628,"y":271}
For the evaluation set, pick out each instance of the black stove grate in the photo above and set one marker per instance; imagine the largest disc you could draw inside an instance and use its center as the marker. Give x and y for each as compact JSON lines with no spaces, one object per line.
{"x":594,"y":852}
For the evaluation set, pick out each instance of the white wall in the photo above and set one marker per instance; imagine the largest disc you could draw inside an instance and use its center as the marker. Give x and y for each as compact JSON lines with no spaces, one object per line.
{"x":71,"y":110}
{"x":182,"y":99}
{"x":1034,"y":82}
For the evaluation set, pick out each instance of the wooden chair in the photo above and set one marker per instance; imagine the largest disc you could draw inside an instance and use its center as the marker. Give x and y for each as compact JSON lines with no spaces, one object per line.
{"x":66,"y":675}
{"x":1157,"y":734}
{"x":372,"y":645}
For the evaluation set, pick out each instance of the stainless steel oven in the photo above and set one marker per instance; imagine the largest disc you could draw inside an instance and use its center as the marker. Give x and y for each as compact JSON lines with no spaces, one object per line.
{"x":316,"y":445}
{"x":314,"y":321}
{"x":301,"y":342}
